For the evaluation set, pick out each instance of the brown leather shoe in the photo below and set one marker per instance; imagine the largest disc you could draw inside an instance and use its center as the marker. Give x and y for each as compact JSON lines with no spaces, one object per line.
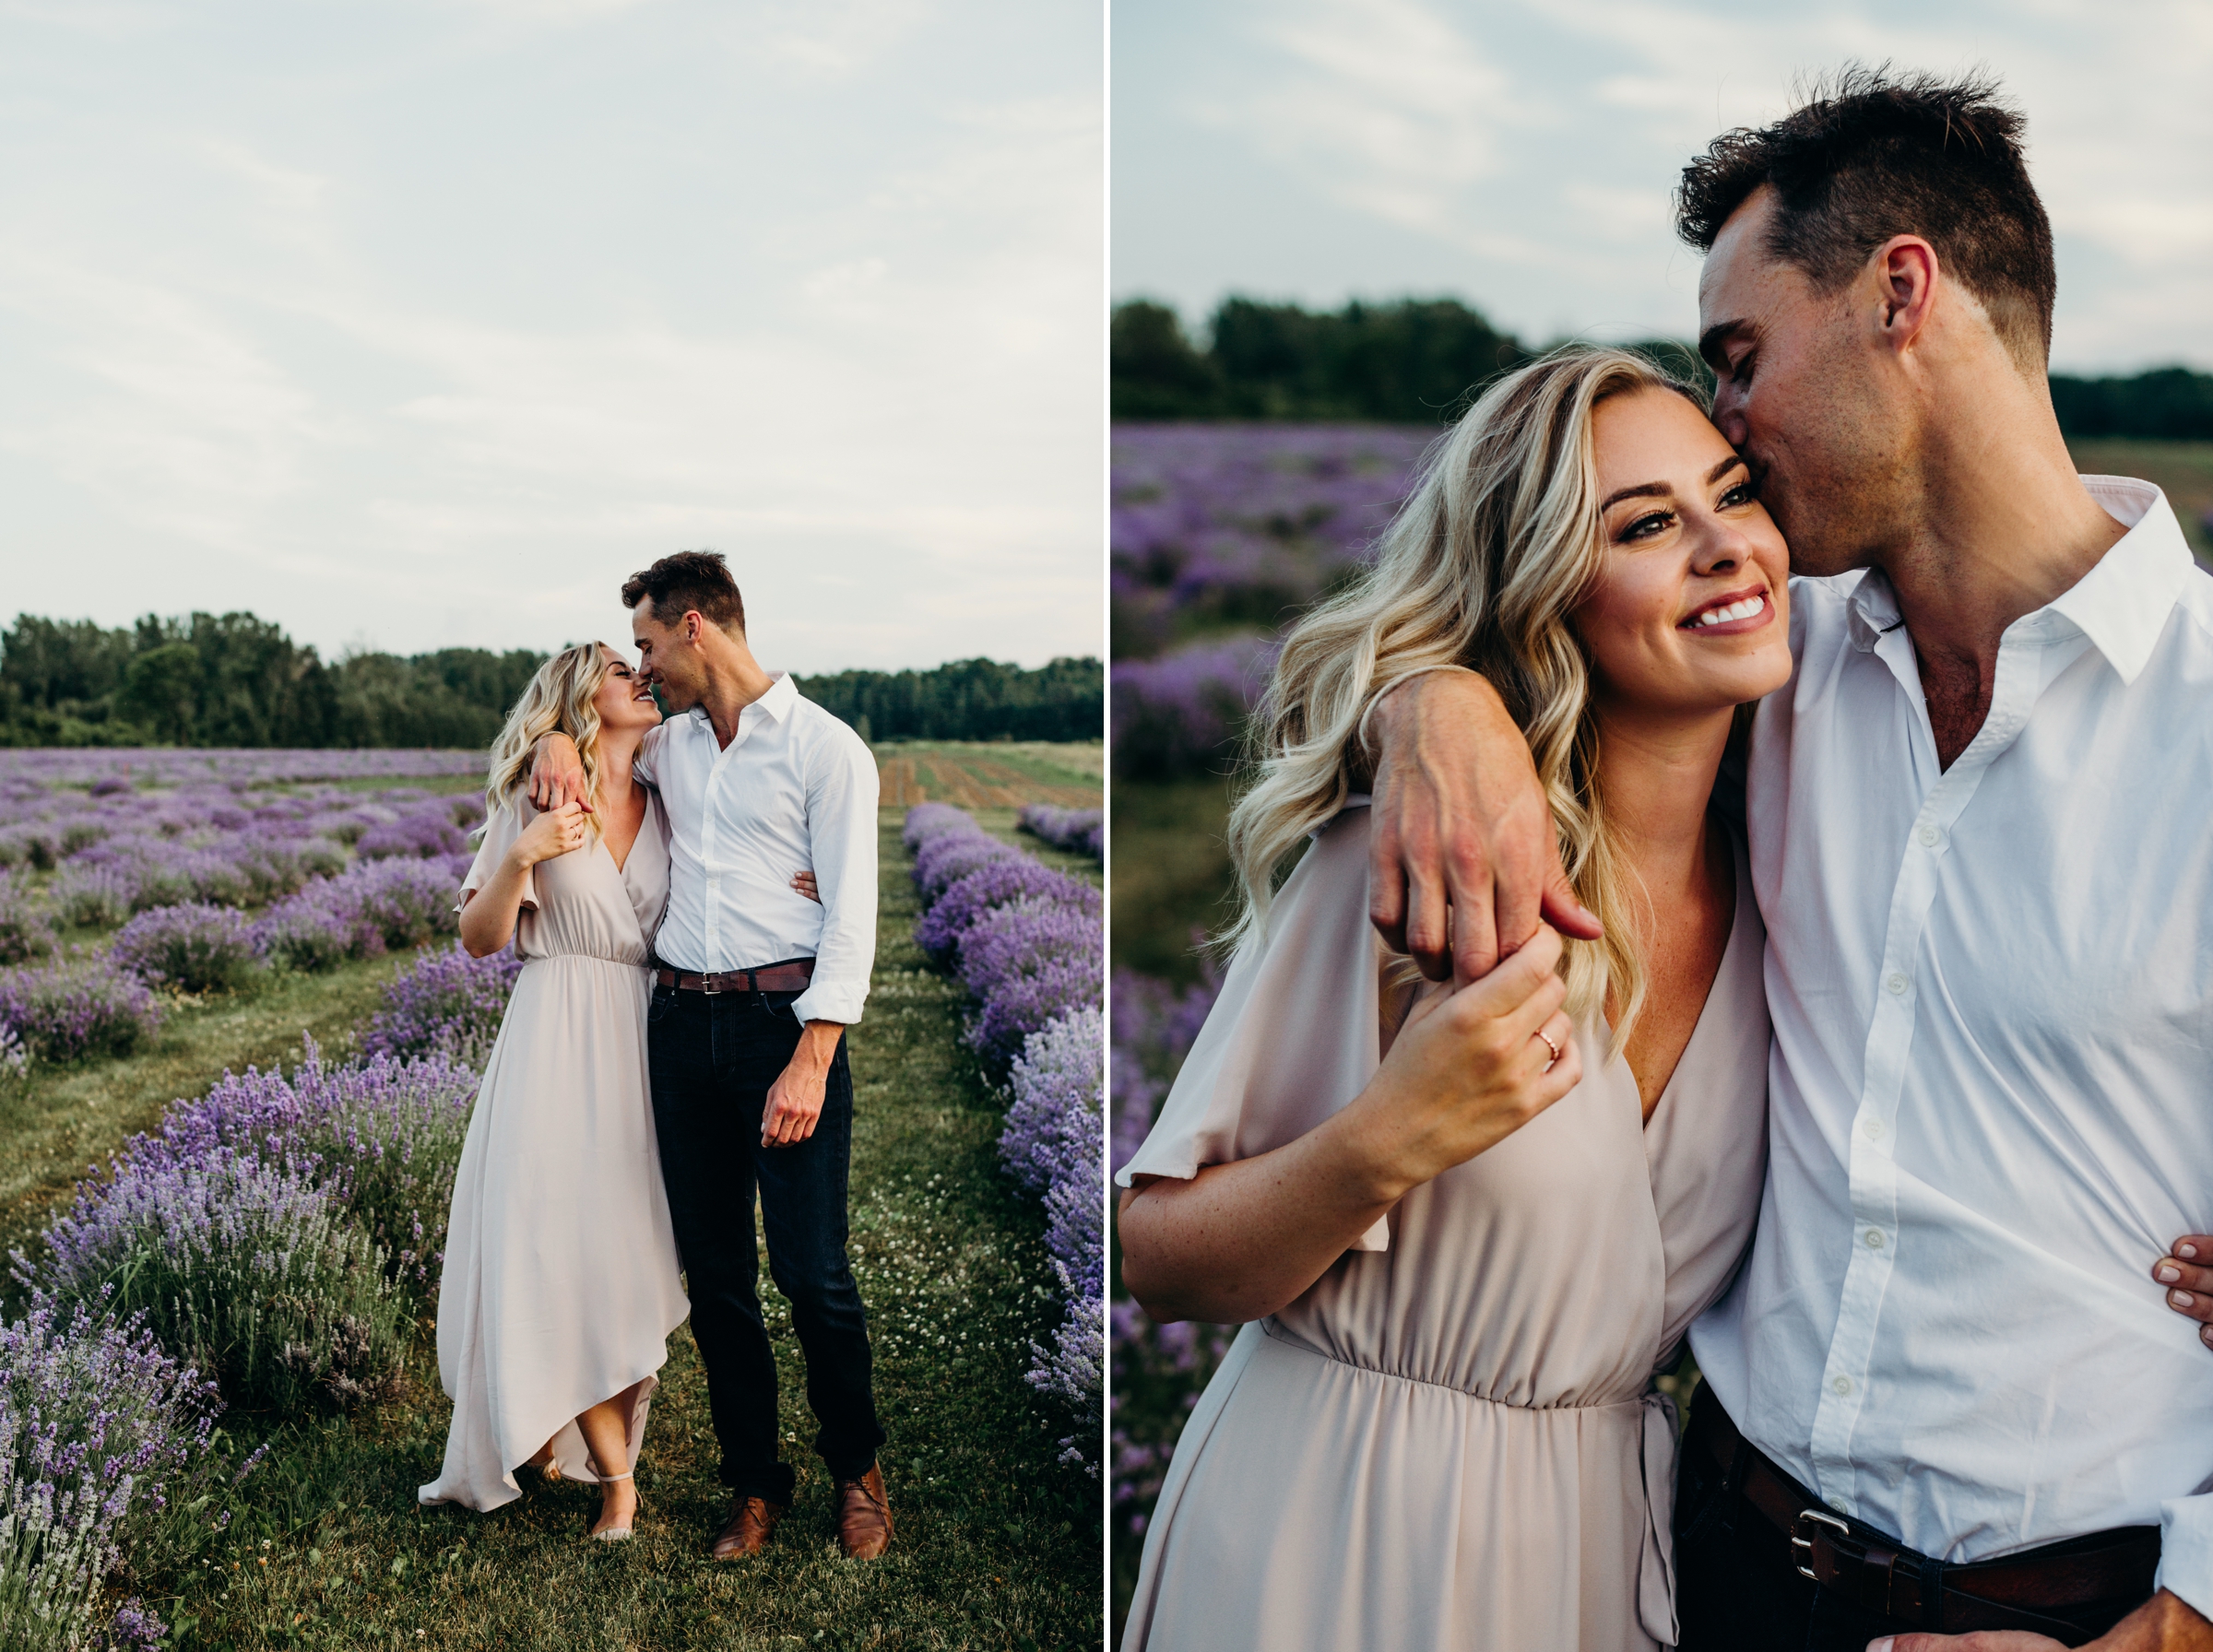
{"x":750,"y":1525}
{"x":864,"y":1518}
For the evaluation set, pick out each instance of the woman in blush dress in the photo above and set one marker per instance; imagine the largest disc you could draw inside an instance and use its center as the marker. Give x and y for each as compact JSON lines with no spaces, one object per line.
{"x":1467,"y":1223}
{"x":559,"y":1286}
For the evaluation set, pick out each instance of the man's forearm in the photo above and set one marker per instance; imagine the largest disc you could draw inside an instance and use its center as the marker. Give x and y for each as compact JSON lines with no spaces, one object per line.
{"x":2166,"y":1623}
{"x":818,"y":1043}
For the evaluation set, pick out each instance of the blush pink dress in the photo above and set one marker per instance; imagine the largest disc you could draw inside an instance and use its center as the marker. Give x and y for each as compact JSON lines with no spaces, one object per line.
{"x":560,"y":1285}
{"x":1451,"y":1440}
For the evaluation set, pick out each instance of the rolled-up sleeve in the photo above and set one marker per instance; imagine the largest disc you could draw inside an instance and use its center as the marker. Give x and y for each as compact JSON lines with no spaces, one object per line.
{"x":2186,"y":1551}
{"x":841,"y":830}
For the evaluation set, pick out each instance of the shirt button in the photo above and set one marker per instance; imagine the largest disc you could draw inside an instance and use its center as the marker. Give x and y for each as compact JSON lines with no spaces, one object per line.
{"x":1842,"y":1384}
{"x":1875,"y":1238}
{"x":1872,"y":1130}
{"x":1897,"y":983}
{"x":1838,"y":1504}
{"x":1931,"y":837}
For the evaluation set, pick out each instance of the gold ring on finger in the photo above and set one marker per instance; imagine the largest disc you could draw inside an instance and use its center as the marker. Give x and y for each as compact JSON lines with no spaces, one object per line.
{"x":1552,"y":1047}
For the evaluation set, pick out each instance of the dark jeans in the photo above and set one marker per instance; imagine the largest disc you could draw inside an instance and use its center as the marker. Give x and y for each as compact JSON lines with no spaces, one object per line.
{"x":714,"y":1058}
{"x":1737,"y":1591}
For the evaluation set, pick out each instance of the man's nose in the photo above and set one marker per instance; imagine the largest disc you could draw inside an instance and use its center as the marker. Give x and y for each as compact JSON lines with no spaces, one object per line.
{"x":1729,"y":416}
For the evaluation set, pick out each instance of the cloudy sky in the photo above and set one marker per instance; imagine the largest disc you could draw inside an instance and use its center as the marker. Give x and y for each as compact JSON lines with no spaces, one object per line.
{"x":416,"y":323}
{"x":1519,"y":153}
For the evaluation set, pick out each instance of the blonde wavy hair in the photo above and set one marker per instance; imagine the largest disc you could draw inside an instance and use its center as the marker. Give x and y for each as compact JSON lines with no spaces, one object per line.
{"x":557,"y":700}
{"x":1482,"y":567}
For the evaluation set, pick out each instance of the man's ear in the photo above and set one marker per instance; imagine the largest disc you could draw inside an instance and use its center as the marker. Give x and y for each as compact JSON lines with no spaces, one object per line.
{"x":1909,"y":274}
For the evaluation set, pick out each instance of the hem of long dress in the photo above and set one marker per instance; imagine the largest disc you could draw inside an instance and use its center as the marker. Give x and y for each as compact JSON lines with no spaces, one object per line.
{"x":427,"y":1496}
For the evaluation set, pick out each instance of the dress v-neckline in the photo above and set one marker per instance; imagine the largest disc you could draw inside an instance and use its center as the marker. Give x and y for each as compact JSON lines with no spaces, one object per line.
{"x":1740,"y":865}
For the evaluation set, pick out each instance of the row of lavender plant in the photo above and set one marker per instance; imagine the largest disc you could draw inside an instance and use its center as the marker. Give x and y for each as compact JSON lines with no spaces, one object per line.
{"x":1158,"y":1369}
{"x":1026,"y":940}
{"x":1079,"y":830}
{"x":1219,"y":533}
{"x":271,"y":1246}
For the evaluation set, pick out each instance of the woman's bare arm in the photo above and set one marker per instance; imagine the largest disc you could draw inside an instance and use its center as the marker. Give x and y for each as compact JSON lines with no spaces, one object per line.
{"x":487,"y":915}
{"x":1237,"y":1241}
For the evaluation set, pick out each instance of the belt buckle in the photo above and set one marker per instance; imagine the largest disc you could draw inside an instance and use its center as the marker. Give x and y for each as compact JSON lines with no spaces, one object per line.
{"x":1802,"y":1540}
{"x":706,"y":983}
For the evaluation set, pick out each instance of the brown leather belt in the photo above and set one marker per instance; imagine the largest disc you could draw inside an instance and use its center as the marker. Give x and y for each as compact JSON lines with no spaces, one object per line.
{"x":2111,"y":1570}
{"x":792,"y":976}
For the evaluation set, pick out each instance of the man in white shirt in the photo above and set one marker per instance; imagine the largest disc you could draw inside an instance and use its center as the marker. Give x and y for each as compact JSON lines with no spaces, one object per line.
{"x":1944,"y":1395}
{"x":754,"y":985}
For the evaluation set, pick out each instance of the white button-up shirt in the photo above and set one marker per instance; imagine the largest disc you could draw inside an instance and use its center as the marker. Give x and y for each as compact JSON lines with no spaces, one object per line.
{"x":795,"y":789}
{"x":1992,"y":1075}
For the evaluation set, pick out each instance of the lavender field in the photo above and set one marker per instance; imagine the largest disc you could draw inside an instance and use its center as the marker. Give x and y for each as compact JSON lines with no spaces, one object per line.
{"x":217,"y":1390}
{"x":1222,"y":535}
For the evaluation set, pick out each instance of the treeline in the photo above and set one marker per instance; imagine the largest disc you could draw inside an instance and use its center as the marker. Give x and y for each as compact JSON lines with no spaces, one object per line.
{"x":1418,"y":361}
{"x":969,"y":699}
{"x":235,"y":679}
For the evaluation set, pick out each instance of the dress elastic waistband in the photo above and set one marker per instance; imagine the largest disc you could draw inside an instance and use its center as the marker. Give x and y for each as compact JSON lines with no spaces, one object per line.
{"x":1283,"y":1339}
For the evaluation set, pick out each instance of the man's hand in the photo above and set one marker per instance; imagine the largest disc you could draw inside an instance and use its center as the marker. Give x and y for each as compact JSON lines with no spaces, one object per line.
{"x":1463,"y":859}
{"x":795,"y":1100}
{"x":557,"y":774}
{"x":2187,"y":1272}
{"x":2164,"y":1624}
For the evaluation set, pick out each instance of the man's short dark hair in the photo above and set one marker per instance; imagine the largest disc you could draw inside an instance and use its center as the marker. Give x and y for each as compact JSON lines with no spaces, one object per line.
{"x":691,"y":580}
{"x":1870,"y":155}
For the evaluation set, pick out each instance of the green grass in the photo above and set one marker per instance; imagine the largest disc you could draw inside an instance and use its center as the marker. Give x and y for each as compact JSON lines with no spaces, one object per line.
{"x":1056,"y":762}
{"x":997,"y":1544}
{"x":1171,"y":875}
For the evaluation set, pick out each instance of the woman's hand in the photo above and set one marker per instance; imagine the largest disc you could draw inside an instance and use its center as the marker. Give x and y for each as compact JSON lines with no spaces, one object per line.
{"x":804,"y":883}
{"x":1238,"y":1241}
{"x":1468,"y":1069}
{"x":551,"y":834}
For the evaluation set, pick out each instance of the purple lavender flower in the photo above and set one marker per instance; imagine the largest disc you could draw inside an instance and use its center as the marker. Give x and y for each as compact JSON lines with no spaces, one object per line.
{"x":198,"y":948}
{"x":1079,"y":830}
{"x":945,"y":860}
{"x":105,"y":1442}
{"x":244,"y":1266}
{"x":382,"y":1135}
{"x":418,"y":835}
{"x":447,"y":1003}
{"x":993,"y":884}
{"x":1184,"y":712}
{"x":1029,"y":961}
{"x":82,"y":1006}
{"x":1052,"y":1124}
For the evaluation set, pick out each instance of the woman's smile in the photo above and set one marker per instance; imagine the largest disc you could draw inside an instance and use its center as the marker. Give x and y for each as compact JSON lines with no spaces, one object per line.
{"x":1731,"y":615}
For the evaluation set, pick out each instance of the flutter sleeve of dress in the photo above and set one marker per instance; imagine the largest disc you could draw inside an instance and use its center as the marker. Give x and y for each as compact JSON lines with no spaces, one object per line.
{"x":502,"y":826}
{"x":1294,"y":1036}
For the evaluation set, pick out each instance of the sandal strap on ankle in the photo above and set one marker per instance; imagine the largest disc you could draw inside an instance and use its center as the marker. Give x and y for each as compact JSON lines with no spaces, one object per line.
{"x":624,"y":1475}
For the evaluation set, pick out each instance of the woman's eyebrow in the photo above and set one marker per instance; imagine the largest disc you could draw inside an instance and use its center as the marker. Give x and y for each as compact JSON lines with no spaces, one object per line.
{"x":1642,"y":490}
{"x":1662,"y":491}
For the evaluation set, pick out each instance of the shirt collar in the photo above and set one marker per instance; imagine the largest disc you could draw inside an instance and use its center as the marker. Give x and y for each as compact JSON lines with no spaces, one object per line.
{"x":2120,"y":605}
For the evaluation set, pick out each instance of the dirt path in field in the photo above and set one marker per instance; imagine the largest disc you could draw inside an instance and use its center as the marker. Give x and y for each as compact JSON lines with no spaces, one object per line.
{"x":972,"y":782}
